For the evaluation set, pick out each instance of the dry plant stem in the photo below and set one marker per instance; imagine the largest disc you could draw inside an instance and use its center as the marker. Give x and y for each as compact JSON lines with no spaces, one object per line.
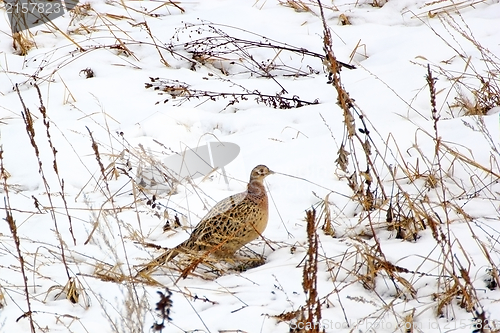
{"x":309,"y":281}
{"x":316,"y":184}
{"x":121,"y":44}
{"x":485,"y":92}
{"x":151,"y":12}
{"x":364,"y":195}
{"x":173,"y":4}
{"x":181,"y":91}
{"x":435,"y":117}
{"x":46,"y":122}
{"x":13,"y":229}
{"x":222,"y":46}
{"x":256,"y":63}
{"x":131,"y":287}
{"x":30,"y":130}
{"x":95,"y":148}
{"x":163,"y":306}
{"x":163,"y":61}
{"x":51,"y":24}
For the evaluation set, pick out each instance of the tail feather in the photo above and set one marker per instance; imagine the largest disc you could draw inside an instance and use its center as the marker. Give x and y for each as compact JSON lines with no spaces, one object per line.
{"x":158,"y":261}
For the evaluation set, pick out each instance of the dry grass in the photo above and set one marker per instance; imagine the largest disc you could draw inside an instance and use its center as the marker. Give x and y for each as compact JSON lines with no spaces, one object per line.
{"x":22,"y":43}
{"x":297,"y":5}
{"x":301,"y":6}
{"x":476,"y":88}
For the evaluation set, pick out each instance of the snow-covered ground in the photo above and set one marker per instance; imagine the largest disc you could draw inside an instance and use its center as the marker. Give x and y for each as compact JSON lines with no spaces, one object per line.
{"x":93,"y":68}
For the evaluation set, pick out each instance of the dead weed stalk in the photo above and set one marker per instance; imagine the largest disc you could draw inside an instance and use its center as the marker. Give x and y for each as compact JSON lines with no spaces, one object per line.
{"x":476,"y":87}
{"x":310,"y":314}
{"x":182,"y":93}
{"x":13,"y":229}
{"x":30,"y":131}
{"x":362,"y":179}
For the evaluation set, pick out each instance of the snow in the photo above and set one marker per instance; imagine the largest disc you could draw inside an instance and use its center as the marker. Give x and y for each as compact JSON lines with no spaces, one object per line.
{"x":111,"y":221}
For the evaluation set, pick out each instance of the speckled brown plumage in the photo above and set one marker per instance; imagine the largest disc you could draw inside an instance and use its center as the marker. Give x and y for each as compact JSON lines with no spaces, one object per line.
{"x":229,"y":225}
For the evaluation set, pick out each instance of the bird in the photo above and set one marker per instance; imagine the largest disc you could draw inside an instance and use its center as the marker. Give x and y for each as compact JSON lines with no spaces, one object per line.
{"x":231,"y":224}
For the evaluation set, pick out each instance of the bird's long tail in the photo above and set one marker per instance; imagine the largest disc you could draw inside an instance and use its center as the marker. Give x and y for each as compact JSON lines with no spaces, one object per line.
{"x":158,"y":261}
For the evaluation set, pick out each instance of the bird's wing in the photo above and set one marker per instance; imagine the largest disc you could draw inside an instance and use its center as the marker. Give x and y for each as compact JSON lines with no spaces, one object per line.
{"x":208,"y":229}
{"x":224,"y":205}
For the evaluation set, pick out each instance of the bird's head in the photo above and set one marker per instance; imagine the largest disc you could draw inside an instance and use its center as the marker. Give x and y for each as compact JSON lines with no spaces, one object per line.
{"x":259,"y":173}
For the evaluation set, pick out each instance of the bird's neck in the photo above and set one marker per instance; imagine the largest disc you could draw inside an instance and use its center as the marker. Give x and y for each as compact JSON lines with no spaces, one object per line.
{"x":255,"y":188}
